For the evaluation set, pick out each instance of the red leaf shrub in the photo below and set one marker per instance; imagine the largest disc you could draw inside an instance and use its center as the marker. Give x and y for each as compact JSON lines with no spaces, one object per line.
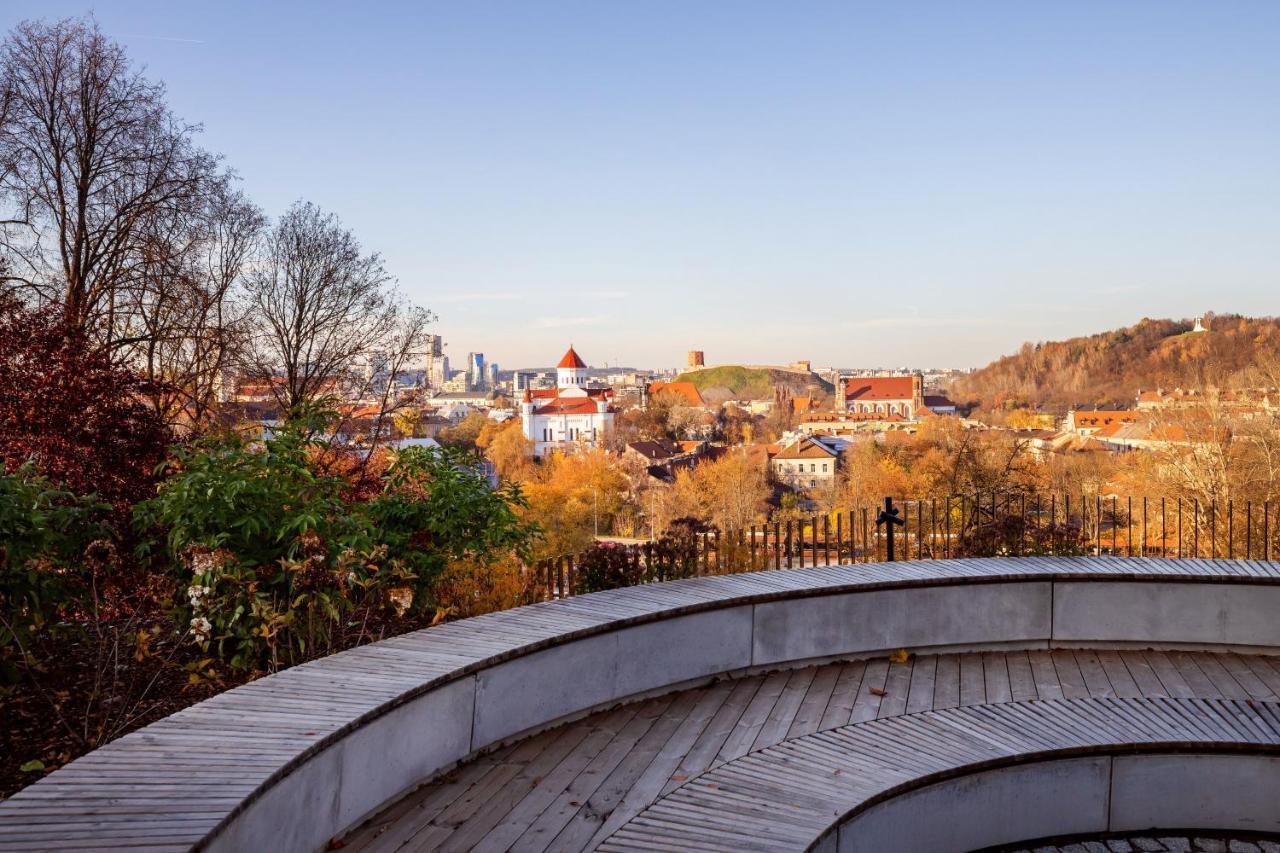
{"x":75,"y":411}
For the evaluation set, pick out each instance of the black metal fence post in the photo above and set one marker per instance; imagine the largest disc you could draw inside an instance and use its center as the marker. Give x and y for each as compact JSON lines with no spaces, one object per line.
{"x":889,"y":518}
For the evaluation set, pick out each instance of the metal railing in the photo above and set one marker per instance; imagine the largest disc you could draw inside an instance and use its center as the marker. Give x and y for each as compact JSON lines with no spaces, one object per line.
{"x":986,"y":525}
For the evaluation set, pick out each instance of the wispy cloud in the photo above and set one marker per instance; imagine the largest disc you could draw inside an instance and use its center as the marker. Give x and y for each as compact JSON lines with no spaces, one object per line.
{"x":569,"y":322}
{"x":131,"y":36}
{"x":608,"y":294}
{"x":454,"y":298}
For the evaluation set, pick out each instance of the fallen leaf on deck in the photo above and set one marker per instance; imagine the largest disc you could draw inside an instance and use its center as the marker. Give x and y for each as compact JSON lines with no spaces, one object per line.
{"x":876,"y":691}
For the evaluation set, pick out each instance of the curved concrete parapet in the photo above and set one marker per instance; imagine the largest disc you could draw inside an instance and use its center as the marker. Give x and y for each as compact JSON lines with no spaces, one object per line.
{"x":289,"y":761}
{"x":969,"y":778}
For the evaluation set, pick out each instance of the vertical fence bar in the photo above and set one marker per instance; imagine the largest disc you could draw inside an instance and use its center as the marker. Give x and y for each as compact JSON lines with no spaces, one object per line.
{"x":1164,"y":529}
{"x":1248,"y":530}
{"x":777,"y":545}
{"x":1195,"y":527}
{"x":1144,"y":525}
{"x":1097,"y":523}
{"x":1231,"y":529}
{"x":1266,"y":530}
{"x":1213,"y":527}
{"x":1128,"y":522}
{"x":1066,"y":511}
{"x":1179,"y":527}
{"x":839,"y":537}
{"x":788,"y":547}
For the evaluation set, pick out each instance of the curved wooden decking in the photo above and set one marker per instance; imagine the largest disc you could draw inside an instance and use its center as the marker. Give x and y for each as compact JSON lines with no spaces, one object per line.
{"x":287,"y":762}
{"x":615,"y":778}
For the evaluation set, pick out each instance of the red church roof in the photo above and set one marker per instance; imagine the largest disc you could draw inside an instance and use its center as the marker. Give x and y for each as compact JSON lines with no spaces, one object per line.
{"x":878,"y":388}
{"x":571,"y":359}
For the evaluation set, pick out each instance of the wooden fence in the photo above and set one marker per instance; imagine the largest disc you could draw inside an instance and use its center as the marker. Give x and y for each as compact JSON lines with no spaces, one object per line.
{"x":959,"y":526}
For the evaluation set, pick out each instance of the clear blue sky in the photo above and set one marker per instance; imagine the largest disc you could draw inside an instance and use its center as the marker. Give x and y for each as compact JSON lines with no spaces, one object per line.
{"x":854,"y":183}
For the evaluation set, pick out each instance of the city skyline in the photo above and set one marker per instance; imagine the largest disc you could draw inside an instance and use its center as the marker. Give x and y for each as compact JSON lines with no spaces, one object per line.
{"x":930,"y":186}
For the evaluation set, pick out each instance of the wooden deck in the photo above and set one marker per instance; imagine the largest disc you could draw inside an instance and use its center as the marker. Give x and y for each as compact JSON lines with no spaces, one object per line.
{"x":288,"y":761}
{"x":574,"y":786}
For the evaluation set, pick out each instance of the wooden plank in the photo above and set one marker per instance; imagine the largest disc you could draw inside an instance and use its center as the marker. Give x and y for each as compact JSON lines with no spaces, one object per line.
{"x":946,"y":683}
{"x":1048,"y":685}
{"x":867,"y":705}
{"x":708,"y":744}
{"x":649,"y":786}
{"x":809,"y":718}
{"x":844,"y":695}
{"x":1143,"y":675}
{"x":1073,"y":684}
{"x":896,"y":687}
{"x":920,"y":692}
{"x":973,"y":683}
{"x":1022,"y":682}
{"x":996,"y":672}
{"x":785,"y":709}
{"x":1191,"y":673}
{"x":753,"y":719}
{"x":1174,"y":684}
{"x":1222,"y":679}
{"x":1265,"y":669}
{"x":1095,"y":677}
{"x":540,"y":834}
{"x":588,"y":820}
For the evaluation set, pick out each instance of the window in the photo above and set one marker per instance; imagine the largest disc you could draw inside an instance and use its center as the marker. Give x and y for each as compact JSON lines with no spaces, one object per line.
{"x":824,"y":467}
{"x":813,"y":484}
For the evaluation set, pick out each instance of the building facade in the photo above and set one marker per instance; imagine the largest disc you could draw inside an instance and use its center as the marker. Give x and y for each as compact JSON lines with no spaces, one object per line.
{"x":574,"y":414}
{"x":809,"y":463}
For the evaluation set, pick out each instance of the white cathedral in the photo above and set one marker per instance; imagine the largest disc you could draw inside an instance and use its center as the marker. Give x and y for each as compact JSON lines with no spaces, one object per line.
{"x":573,"y":414}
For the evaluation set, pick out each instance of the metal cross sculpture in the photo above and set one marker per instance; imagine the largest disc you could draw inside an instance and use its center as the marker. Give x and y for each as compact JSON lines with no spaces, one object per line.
{"x":889,"y":518}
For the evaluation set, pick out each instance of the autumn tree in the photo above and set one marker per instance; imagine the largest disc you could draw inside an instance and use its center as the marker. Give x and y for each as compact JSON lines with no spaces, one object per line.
{"x":466,"y":432}
{"x":573,"y":497}
{"x":505,"y":445}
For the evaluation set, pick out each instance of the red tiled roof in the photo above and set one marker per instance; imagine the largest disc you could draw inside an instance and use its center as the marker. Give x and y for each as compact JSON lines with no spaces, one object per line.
{"x":878,"y":388}
{"x":568,"y":406}
{"x":687,"y":390}
{"x":554,"y":393}
{"x":571,"y":359}
{"x":806,"y":448}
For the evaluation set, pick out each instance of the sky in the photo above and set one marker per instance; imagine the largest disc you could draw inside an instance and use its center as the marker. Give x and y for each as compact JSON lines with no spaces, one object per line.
{"x":859,"y":184}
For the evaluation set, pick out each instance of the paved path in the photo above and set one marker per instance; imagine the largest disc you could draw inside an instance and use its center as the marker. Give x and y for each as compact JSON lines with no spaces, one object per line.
{"x":574,"y":786}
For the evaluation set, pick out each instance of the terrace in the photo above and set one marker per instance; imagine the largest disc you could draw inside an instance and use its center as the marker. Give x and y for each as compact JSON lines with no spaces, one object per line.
{"x":950,"y":704}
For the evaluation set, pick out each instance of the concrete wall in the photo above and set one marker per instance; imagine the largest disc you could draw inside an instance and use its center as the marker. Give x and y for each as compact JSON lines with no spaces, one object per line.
{"x":1094,"y":794}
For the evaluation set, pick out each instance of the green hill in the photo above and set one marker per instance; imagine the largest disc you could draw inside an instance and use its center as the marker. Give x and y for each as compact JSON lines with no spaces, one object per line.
{"x":1110,"y":368}
{"x":755,"y":383}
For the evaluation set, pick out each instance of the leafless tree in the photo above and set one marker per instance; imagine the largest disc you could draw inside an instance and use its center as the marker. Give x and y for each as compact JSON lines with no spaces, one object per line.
{"x":91,"y":159}
{"x":324,"y":312}
{"x":186,"y":311}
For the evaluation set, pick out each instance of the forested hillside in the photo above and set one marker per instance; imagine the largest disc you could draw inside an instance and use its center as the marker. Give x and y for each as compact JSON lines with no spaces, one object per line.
{"x":1109,"y":368}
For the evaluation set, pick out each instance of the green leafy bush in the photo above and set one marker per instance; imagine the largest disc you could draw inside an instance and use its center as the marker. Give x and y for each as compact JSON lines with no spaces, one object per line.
{"x":276,"y":565}
{"x":45,"y":532}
